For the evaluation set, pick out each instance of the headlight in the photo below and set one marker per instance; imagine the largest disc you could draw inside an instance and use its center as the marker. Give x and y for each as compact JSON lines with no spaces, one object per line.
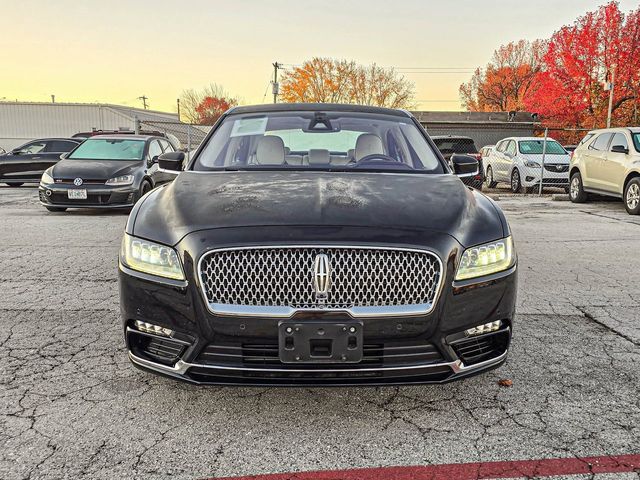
{"x":486,"y":259}
{"x":149,"y":257}
{"x":531,"y":164}
{"x":46,"y":178}
{"x":123,"y":180}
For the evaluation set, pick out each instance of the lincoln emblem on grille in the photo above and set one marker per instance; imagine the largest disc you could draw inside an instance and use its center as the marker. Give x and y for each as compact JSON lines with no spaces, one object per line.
{"x":321,"y":277}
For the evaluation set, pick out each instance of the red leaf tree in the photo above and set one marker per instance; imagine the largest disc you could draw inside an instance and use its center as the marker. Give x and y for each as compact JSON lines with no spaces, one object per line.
{"x":211,"y":108}
{"x":580,"y":58}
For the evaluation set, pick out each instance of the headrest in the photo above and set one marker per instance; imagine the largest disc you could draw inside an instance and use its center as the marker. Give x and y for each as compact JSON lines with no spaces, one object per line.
{"x":270,"y":151}
{"x":319,"y":156}
{"x":368,"y":144}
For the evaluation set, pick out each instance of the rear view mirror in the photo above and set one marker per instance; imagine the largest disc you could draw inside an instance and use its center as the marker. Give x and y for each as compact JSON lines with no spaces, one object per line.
{"x":171,"y":161}
{"x":464,"y":165}
{"x":620,"y":149}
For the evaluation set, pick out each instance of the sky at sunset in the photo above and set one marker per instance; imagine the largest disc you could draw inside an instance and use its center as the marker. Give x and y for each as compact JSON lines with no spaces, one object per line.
{"x":116,"y":51}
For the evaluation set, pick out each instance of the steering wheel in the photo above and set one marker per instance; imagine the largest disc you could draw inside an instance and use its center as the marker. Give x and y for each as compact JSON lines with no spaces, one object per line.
{"x":379,"y":160}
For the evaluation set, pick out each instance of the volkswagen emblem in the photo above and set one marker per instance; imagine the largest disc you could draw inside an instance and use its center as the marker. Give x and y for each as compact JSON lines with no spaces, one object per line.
{"x":321,"y":276}
{"x":77,"y":181}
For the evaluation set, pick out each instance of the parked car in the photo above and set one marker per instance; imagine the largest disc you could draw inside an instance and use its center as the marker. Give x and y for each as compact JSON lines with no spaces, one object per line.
{"x":607,"y":162}
{"x":277,"y":258}
{"x":26,"y":163}
{"x":124,"y":131}
{"x":518,"y":161}
{"x":451,"y":144}
{"x":486,"y":150}
{"x":105,"y":171}
{"x":570,"y":148}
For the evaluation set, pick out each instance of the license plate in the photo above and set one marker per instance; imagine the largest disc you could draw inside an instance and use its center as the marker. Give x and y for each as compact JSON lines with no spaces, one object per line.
{"x":319,"y":342}
{"x":77,"y":194}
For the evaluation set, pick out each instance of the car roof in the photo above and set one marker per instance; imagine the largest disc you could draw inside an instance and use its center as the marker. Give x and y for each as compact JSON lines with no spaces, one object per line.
{"x":616,"y":129}
{"x":124,"y":137}
{"x":66,"y":139}
{"x":525,"y":139}
{"x":452,"y":137}
{"x":323,"y":107}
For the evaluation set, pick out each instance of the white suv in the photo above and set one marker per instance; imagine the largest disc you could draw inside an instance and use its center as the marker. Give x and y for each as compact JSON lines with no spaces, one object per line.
{"x":518,"y":161}
{"x":607,"y":162}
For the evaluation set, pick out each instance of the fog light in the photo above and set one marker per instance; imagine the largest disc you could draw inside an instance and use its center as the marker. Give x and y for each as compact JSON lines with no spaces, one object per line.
{"x":154,"y":329}
{"x":481,"y":329}
{"x":48,"y":193}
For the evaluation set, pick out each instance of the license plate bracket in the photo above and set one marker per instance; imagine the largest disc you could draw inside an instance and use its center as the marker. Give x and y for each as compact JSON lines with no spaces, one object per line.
{"x":320,"y":342}
{"x":77,"y":194}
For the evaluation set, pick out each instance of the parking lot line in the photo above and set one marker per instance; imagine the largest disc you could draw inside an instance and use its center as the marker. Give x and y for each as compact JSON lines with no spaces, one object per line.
{"x":540,"y":468}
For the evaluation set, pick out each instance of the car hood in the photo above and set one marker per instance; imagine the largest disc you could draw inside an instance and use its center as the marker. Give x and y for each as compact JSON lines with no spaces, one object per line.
{"x":562,"y":159}
{"x":199,"y":201}
{"x":94,"y":169}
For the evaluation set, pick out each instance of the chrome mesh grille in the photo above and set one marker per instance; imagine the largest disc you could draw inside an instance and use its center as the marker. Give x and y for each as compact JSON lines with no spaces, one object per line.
{"x":284,"y":277}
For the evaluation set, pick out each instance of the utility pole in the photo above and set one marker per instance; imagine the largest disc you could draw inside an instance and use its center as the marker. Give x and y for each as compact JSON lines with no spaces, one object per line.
{"x":144,"y":99}
{"x":611,"y":86}
{"x":276,"y":87}
{"x":53,"y":99}
{"x":178,"y":102}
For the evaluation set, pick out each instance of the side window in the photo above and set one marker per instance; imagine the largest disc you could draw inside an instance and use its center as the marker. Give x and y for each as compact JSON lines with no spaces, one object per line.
{"x":166,"y":146}
{"x":511,"y":148}
{"x":501,"y":145}
{"x":154,"y":149}
{"x":601,"y":142}
{"x":59,"y":146}
{"x":32,"y":148}
{"x":619,"y":139}
{"x":586,"y":138}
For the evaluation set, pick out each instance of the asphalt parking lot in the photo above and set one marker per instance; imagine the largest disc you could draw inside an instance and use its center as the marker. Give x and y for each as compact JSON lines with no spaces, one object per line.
{"x":72,"y":405}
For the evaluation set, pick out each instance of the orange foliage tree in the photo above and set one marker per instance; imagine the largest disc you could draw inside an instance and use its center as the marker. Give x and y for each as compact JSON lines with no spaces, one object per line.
{"x":206,"y":105}
{"x":326,"y":80}
{"x":506,"y":80}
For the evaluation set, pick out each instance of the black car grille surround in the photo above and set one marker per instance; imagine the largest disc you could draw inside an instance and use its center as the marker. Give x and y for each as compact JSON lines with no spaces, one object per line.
{"x":265,"y":355}
{"x":158,"y":349}
{"x":556,"y":168}
{"x":93,"y":199}
{"x":474,"y":350}
{"x":287,"y":276}
{"x":335,"y":377}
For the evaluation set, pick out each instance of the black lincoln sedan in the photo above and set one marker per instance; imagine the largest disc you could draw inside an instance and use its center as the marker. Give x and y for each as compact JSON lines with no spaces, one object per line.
{"x":317,"y":244}
{"x":108,"y":171}
{"x":25,"y":164}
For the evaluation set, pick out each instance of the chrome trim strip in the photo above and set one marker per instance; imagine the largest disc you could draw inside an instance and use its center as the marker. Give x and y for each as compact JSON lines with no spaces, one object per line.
{"x":181,"y":367}
{"x":288,"y":312}
{"x":161,"y":337}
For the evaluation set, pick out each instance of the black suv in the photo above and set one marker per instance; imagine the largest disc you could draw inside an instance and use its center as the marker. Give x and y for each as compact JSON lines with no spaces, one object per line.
{"x":450,"y":144}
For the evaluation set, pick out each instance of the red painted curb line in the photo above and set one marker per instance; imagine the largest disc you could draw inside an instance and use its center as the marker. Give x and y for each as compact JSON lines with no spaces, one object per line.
{"x":470,"y":471}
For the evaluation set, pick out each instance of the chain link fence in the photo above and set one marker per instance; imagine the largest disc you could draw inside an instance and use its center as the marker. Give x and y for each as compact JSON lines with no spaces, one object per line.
{"x":188,"y":137}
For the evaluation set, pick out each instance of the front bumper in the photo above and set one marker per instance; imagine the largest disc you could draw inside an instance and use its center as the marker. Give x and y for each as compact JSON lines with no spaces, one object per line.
{"x":98,"y":196}
{"x":219,"y":349}
{"x":550,"y":178}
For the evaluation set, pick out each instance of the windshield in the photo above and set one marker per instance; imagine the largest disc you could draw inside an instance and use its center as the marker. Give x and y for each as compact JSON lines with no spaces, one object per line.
{"x":320,"y":141}
{"x":109,"y":149}
{"x":456,"y":145}
{"x":535,"y":147}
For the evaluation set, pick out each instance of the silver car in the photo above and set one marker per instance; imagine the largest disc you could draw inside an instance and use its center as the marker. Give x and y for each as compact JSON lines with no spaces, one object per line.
{"x":519,"y":162}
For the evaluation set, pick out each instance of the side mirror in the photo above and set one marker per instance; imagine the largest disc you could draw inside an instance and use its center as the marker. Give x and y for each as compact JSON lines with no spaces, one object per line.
{"x":171,"y":161}
{"x":152,"y":160}
{"x":464,"y":165}
{"x":15,"y":151}
{"x":620,"y":149}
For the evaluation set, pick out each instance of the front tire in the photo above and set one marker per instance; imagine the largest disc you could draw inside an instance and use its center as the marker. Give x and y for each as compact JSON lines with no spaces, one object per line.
{"x":516,"y":184}
{"x":144,"y":188}
{"x":632,"y":196}
{"x":15,"y":184}
{"x":56,"y":209}
{"x":576,"y":190}
{"x":489,"y":181}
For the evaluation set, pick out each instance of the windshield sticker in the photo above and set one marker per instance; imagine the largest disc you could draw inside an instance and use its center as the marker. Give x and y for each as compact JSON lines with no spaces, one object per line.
{"x":249,"y":126}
